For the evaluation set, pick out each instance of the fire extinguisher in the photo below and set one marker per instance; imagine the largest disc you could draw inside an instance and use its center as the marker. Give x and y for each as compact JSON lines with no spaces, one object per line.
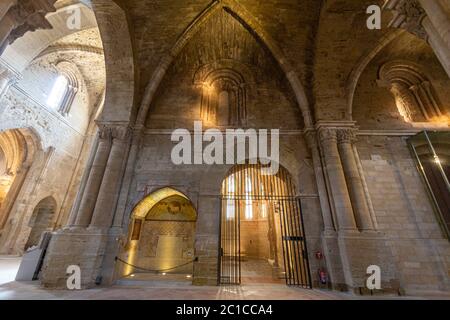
{"x":323,"y":276}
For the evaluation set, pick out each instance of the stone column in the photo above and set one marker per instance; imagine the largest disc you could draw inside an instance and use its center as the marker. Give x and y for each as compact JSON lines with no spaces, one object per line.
{"x":440,"y":48}
{"x":95,"y":178}
{"x":311,"y":138}
{"x":128,"y":176}
{"x":338,"y":185}
{"x":82,"y":184}
{"x":346,"y":138}
{"x":108,"y":194}
{"x":438,"y":11}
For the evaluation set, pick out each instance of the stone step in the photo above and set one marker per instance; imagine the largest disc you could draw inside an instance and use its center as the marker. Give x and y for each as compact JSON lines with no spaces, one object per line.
{"x":155,"y":280}
{"x":152,"y":283}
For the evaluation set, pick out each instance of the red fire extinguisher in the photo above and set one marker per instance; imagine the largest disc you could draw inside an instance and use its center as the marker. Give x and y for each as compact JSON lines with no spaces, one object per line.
{"x":323,"y":276}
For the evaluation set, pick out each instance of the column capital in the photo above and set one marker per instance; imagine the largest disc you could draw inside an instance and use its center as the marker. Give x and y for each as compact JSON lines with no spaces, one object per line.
{"x":120,"y":132}
{"x":346,"y":135}
{"x":408,"y":15}
{"x":335,"y":130}
{"x":114,"y":131}
{"x":327,"y":134}
{"x":104,"y":132}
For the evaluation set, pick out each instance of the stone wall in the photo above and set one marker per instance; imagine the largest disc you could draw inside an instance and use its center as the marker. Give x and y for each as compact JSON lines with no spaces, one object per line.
{"x":404,"y":213}
{"x":374,"y":105}
{"x":63,"y":140}
{"x":202,"y":184}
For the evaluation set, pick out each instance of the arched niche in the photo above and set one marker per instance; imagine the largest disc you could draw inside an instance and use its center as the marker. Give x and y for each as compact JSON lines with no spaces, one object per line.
{"x":390,"y":85}
{"x":225,"y":85}
{"x":41,"y":220}
{"x":160,"y":236}
{"x":412,"y":90}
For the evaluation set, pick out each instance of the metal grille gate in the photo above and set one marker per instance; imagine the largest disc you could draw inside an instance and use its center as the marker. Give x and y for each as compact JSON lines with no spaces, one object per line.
{"x":278,"y":191}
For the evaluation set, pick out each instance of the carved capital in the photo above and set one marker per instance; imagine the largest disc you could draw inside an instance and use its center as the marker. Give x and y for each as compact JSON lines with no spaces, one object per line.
{"x":346,"y":136}
{"x":114,"y":132}
{"x":408,"y":15}
{"x":327,"y":135}
{"x":120,"y":132}
{"x":104,"y":132}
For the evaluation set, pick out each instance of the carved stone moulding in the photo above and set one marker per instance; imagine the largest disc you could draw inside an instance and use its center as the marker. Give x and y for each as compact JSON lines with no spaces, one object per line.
{"x":408,"y":15}
{"x":114,"y":131}
{"x":29,"y":15}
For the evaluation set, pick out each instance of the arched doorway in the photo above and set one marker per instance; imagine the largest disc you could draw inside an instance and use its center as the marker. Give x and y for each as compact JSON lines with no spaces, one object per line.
{"x":161,"y":236}
{"x":17,"y":152}
{"x":262,"y":236}
{"x":41,"y":220}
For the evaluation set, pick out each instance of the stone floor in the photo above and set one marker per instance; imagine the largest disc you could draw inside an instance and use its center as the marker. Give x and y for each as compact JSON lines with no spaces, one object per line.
{"x":31,"y":290}
{"x":257,"y":271}
{"x":8,"y":268}
{"x":10,"y":289}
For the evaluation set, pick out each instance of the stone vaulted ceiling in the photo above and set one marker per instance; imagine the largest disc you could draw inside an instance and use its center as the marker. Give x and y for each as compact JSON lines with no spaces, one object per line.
{"x":325,"y":44}
{"x":324,"y":41}
{"x":157,"y":25}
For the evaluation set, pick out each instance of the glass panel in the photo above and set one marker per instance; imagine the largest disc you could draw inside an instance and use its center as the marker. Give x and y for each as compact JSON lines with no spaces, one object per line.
{"x":432,"y":153}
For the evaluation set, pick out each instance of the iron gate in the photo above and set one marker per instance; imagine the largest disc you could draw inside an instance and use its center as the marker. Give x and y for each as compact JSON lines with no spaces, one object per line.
{"x":278,"y":192}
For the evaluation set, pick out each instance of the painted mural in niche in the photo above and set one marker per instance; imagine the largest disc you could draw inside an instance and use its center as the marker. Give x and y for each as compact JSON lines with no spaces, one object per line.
{"x":173,"y":208}
{"x":167,"y":236}
{"x":157,"y":236}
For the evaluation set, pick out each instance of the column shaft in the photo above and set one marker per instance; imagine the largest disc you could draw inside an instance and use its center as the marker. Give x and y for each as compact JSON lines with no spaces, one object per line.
{"x":354,"y":181}
{"x":128,"y":175}
{"x":94,"y":182}
{"x":108,"y":194}
{"x":438,"y":12}
{"x":321,"y":187}
{"x":440,"y":48}
{"x":338,"y":185}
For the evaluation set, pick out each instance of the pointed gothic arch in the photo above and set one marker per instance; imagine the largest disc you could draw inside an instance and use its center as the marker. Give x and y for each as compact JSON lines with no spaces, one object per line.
{"x":117,"y":46}
{"x":246,"y":19}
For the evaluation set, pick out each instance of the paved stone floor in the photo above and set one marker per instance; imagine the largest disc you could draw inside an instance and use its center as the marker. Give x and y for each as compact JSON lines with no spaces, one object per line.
{"x":31,"y":290}
{"x":9,"y":289}
{"x":8,"y":268}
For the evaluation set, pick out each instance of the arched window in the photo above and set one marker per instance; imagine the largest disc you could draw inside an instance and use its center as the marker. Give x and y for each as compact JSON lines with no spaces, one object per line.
{"x":64,"y":88}
{"x":58,"y":92}
{"x":223,"y":97}
{"x":413,"y":92}
{"x":231,"y":210}
{"x":223,"y":109}
{"x":248,"y":200}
